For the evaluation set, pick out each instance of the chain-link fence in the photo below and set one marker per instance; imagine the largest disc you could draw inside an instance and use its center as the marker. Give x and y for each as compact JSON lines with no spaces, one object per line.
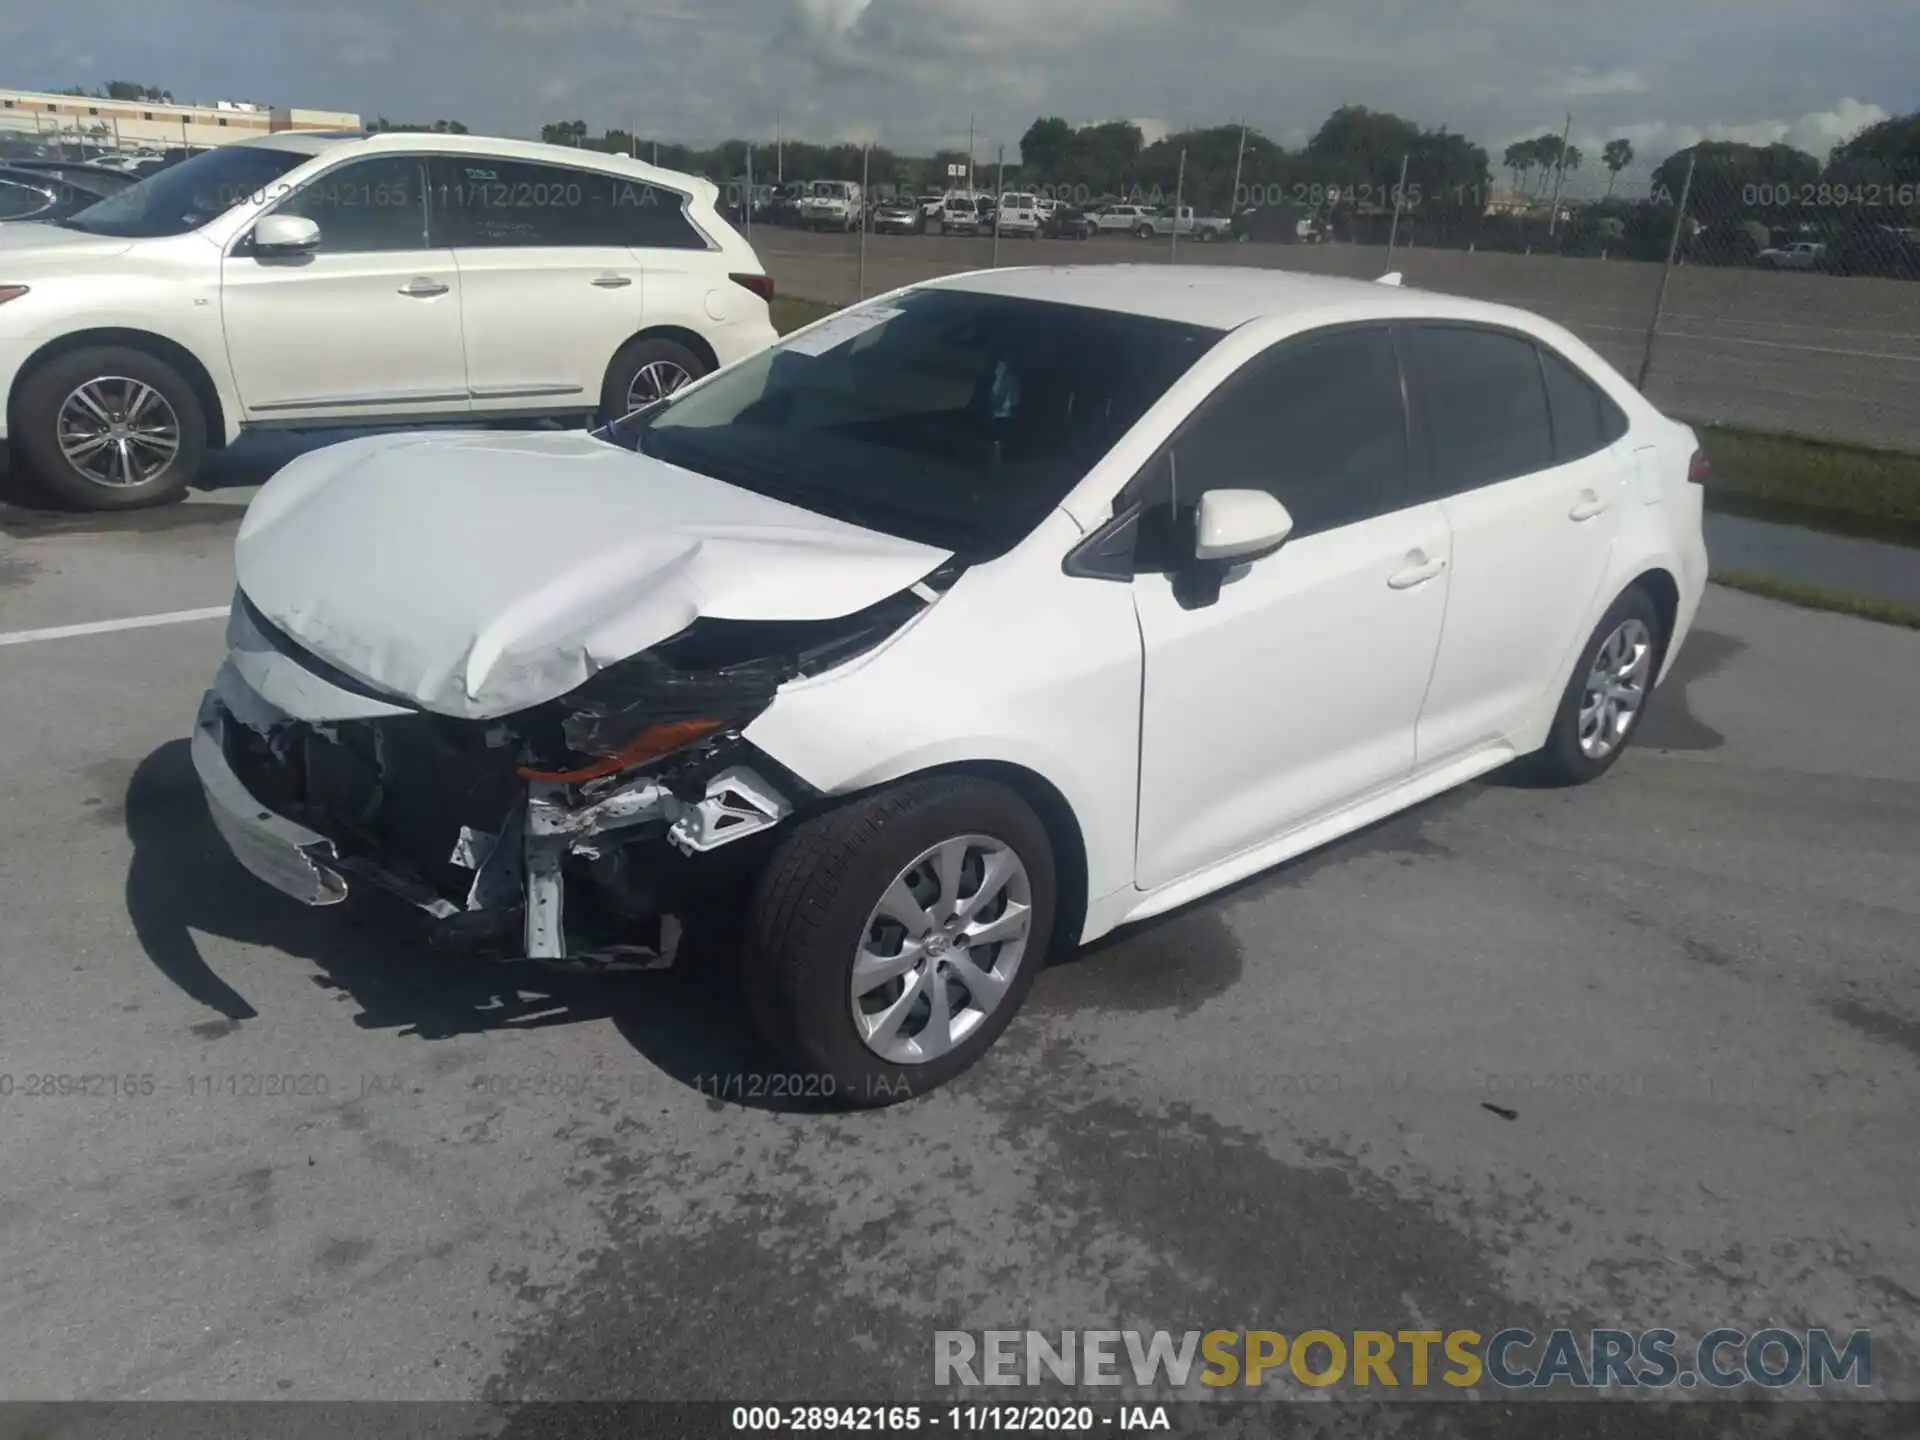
{"x":1787,"y":307}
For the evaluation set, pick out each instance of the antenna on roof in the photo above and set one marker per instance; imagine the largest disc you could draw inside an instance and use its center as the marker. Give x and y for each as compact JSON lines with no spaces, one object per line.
{"x":1392,"y":277}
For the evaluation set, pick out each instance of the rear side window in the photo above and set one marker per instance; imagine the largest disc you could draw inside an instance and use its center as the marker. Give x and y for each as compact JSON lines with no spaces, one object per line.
{"x":1482,"y":405}
{"x":1584,"y":420}
{"x":1319,"y":424}
{"x":481,"y":202}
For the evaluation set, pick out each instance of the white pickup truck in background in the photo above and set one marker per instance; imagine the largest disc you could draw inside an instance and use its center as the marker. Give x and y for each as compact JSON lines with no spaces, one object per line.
{"x":1801,"y":255}
{"x":1182,"y":221}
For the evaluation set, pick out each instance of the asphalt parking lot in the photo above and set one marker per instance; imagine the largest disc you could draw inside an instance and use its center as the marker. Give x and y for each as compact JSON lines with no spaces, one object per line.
{"x":1808,"y":355}
{"x":322,"y":1165}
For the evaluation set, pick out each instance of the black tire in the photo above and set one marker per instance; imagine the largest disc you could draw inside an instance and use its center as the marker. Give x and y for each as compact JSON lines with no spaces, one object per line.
{"x":635,"y":356}
{"x":36,"y":411}
{"x":1561,"y":761}
{"x":813,"y":899}
{"x":1144,"y":232}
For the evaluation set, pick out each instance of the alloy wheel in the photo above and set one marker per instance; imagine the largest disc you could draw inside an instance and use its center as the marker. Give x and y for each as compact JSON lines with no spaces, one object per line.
{"x":1616,"y":688}
{"x":940,"y":950}
{"x":655,"y":380}
{"x":117,"y":432}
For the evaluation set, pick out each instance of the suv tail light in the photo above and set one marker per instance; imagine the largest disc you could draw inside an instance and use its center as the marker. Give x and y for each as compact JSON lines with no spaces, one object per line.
{"x":11,"y":292}
{"x":761,"y":285}
{"x":1698,"y":469}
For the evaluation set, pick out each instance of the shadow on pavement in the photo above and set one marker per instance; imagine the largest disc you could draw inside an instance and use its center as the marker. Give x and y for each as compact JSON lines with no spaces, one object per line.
{"x":690,"y":1022}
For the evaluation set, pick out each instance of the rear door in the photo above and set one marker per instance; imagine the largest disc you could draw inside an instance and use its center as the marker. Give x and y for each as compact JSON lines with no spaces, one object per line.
{"x":549,"y":291}
{"x":1521,"y":453}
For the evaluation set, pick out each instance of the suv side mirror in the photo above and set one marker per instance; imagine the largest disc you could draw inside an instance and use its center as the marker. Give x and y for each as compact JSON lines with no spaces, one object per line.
{"x":285,"y":235}
{"x":1239,"y":525}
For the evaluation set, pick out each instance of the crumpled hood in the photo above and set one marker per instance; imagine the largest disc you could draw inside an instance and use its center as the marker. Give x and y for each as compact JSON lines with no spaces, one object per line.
{"x":478,"y":574}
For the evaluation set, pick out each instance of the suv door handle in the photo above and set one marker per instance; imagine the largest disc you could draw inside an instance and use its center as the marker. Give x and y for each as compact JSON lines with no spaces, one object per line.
{"x":1418,"y":572}
{"x":612,"y":282}
{"x":423,"y":288}
{"x":1588,"y":506}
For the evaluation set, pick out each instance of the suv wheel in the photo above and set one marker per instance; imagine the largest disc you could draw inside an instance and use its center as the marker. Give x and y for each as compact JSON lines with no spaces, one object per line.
{"x":110,"y":428}
{"x":1145,"y":232}
{"x":644,"y":371}
{"x":1607,"y":696}
{"x":891,"y":940}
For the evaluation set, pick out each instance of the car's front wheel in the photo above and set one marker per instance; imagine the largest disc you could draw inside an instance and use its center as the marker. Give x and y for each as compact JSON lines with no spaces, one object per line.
{"x":891,"y":940}
{"x":647,"y":370}
{"x":110,"y":428}
{"x":1607,"y":695}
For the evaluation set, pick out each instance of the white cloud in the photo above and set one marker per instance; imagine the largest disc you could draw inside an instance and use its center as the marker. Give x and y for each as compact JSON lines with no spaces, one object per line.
{"x":1582,"y":81}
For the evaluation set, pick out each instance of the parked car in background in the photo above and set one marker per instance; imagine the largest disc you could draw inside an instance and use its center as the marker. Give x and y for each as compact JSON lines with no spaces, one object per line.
{"x":1018,"y":213}
{"x":51,"y":191}
{"x":1066,"y":222}
{"x":700,"y":691}
{"x":930,"y":208}
{"x":962,"y":213}
{"x":832,"y":205}
{"x":313,"y":280}
{"x":1800,"y":255}
{"x":902,"y":215}
{"x":1119,"y":218}
{"x":1281,"y":224}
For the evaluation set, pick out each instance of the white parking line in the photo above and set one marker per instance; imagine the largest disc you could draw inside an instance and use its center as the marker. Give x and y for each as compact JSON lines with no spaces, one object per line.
{"x":103,"y":627}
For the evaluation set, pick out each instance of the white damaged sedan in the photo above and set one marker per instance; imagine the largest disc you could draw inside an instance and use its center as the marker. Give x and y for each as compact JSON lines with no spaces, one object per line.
{"x":976,"y":620}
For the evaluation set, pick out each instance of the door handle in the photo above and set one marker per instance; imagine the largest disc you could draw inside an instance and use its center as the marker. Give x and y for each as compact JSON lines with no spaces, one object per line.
{"x":612,"y":282}
{"x":1418,"y":572}
{"x":423,"y":289}
{"x":1588,"y":506}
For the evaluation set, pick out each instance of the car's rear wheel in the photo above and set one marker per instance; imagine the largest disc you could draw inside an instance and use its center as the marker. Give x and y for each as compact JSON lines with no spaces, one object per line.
{"x":891,"y":940}
{"x":110,"y":428}
{"x":644,"y":371}
{"x":1607,"y":696}
{"x":1144,"y":232}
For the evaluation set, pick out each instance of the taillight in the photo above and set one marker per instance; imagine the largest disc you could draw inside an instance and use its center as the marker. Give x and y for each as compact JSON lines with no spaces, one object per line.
{"x":11,"y":292}
{"x":761,"y":285}
{"x":1698,"y":469}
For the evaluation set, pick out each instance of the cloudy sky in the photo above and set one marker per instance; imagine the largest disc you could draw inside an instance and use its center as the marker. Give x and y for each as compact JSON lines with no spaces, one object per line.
{"x":910,"y":73}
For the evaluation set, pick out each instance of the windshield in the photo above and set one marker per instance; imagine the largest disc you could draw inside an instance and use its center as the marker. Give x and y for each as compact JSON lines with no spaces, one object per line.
{"x":186,"y":196}
{"x":829,"y":190}
{"x":952,"y":418}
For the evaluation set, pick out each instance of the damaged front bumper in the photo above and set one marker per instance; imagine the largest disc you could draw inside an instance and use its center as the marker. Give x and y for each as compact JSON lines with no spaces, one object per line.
{"x":548,"y":836}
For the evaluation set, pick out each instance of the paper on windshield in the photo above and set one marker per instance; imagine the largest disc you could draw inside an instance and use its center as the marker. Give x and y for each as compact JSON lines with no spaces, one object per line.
{"x":840,"y":328}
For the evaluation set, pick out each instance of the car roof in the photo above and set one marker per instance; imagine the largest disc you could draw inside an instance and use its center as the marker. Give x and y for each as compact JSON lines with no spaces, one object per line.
{"x":1223,"y":297}
{"x":319,"y":142}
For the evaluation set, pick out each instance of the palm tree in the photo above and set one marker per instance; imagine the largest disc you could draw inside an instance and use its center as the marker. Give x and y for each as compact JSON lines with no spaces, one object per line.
{"x":1617,"y":155}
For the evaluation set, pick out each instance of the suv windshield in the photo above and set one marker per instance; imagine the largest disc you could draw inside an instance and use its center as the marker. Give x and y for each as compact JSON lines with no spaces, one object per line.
{"x":186,"y":196}
{"x":944,"y":416}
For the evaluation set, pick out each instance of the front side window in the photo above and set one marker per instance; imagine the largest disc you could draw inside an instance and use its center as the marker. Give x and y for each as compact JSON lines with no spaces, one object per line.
{"x":944,"y":416}
{"x":371,"y":205}
{"x":1318,"y":423}
{"x":1482,"y":403}
{"x":185,"y":196}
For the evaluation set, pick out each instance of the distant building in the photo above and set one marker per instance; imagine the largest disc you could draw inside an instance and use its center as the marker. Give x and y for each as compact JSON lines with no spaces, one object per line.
{"x":152,"y":124}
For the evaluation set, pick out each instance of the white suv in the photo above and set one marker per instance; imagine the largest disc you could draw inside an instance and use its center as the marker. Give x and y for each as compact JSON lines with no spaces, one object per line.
{"x":306,"y":281}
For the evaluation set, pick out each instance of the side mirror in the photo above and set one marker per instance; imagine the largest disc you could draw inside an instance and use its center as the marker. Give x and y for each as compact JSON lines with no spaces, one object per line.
{"x":1239,"y":525}
{"x":285,"y":235}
